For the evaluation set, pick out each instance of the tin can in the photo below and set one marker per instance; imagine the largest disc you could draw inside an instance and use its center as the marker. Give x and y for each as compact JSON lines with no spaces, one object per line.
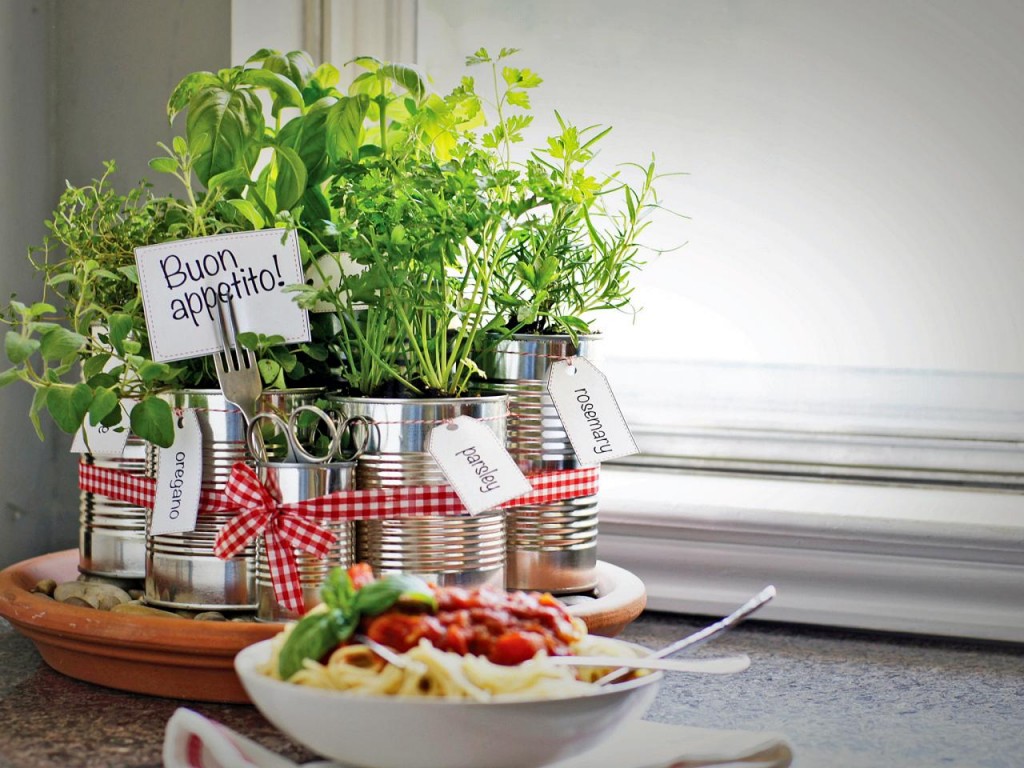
{"x":294,"y":483}
{"x":111,"y":533}
{"x":551,"y":547}
{"x":182,"y":570}
{"x":450,"y":551}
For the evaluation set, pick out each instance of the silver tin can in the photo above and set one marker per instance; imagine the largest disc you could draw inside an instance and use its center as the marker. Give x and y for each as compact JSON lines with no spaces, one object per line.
{"x":111,"y":533}
{"x":551,"y":547}
{"x":450,"y":551}
{"x":295,"y":483}
{"x":182,"y":570}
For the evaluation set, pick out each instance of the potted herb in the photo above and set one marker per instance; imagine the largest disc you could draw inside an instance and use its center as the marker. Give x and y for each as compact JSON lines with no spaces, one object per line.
{"x":411,"y":245}
{"x":258,"y":134}
{"x":91,"y":319}
{"x":83,"y":347}
{"x":572,"y":244}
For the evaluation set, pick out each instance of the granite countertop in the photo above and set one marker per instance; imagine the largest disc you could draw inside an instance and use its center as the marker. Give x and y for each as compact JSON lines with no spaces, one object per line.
{"x":842,"y":699}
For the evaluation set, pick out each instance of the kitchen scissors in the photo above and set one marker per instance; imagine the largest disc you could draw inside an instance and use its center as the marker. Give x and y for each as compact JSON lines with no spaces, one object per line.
{"x":291,"y":429}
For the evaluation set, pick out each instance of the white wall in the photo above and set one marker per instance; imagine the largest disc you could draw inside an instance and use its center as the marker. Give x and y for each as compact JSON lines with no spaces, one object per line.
{"x":81,"y":81}
{"x":36,"y":510}
{"x":854,"y":168}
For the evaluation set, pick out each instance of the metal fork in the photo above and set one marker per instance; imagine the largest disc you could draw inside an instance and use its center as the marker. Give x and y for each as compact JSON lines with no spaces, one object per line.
{"x":236,"y":366}
{"x":704,"y":635}
{"x":722,"y":665}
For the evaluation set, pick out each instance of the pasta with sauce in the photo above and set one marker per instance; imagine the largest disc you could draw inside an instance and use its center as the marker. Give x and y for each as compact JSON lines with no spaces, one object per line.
{"x":480,"y":644}
{"x":430,"y":672}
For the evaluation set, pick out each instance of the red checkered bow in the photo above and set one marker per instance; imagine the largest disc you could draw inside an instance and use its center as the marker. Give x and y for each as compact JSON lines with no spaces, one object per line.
{"x":285,"y":528}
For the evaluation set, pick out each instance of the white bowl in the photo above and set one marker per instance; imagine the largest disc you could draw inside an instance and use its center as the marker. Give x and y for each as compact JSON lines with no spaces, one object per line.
{"x":391,"y":732}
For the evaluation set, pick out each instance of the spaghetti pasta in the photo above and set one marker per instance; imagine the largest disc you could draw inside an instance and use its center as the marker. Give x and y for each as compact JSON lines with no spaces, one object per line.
{"x":427,"y":671}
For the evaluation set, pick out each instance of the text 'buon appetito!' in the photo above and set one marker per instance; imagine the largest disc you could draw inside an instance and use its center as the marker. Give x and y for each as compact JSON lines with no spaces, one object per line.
{"x":183,"y":282}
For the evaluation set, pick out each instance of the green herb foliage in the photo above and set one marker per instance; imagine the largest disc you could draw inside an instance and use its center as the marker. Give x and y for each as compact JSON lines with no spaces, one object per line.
{"x":411,"y":210}
{"x":449,"y":229}
{"x":84,"y":346}
{"x":573,"y":238}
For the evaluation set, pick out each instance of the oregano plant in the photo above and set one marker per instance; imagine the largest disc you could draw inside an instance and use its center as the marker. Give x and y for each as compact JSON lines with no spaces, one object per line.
{"x":82,"y":347}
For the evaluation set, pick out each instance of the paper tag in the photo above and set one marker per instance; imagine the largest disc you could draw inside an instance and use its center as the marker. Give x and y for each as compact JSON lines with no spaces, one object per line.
{"x":589,"y":412}
{"x":476,"y":464}
{"x":183,"y":282}
{"x":179,"y":478}
{"x":104,"y":441}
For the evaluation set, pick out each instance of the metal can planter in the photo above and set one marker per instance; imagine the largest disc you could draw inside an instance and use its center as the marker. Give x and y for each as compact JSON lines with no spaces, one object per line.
{"x":551,"y":547}
{"x":451,"y":551}
{"x":111,"y":533}
{"x":295,"y":483}
{"x":182,"y":570}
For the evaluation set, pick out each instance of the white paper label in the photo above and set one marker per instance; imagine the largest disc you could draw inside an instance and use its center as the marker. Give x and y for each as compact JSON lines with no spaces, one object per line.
{"x":183,"y":282}
{"x":476,"y":464}
{"x":104,"y":441}
{"x":179,"y":478}
{"x":590,"y":414}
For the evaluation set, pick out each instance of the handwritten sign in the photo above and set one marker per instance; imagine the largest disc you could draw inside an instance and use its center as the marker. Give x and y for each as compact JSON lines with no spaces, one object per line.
{"x":184,"y":281}
{"x":476,"y":464}
{"x":589,"y":412}
{"x":179,"y":478}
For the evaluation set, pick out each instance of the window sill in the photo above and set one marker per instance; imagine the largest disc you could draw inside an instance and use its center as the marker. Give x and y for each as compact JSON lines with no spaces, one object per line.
{"x":879,"y":557}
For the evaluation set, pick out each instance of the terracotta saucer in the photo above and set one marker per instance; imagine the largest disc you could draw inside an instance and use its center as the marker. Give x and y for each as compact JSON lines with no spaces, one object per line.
{"x":179,"y":658}
{"x":185,"y":659}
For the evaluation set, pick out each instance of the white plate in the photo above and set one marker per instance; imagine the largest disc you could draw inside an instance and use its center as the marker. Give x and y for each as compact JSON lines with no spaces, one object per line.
{"x":392,"y":732}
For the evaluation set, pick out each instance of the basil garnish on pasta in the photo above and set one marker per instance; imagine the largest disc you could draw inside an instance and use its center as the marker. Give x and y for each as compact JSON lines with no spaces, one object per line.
{"x":318,"y":632}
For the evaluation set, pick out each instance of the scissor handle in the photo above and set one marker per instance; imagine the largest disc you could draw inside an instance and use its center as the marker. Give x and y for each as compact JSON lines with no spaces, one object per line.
{"x":345,"y":425}
{"x":296,"y":445}
{"x":296,"y":451}
{"x":254,"y":438}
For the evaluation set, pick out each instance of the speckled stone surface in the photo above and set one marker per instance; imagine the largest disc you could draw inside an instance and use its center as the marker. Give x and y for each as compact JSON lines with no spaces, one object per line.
{"x":853,"y":700}
{"x":843,"y":700}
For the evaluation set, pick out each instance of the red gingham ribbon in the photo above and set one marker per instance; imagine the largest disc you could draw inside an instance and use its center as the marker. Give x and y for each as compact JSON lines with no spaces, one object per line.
{"x":285,"y":528}
{"x":134,"y":489}
{"x":117,"y":484}
{"x":368,"y":504}
{"x":290,"y":526}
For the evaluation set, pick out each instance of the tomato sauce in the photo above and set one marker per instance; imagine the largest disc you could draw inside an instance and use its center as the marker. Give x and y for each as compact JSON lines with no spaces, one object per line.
{"x":505,"y":627}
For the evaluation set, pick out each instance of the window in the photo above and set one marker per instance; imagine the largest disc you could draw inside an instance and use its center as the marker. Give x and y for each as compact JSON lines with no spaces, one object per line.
{"x":826,"y":380}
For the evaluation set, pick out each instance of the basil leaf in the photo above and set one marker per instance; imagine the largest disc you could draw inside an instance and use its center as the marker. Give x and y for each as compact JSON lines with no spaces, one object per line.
{"x":337,"y":590}
{"x":377,"y":596}
{"x":312,"y":637}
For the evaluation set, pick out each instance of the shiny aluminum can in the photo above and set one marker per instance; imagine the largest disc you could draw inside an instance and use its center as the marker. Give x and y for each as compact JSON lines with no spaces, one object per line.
{"x":450,"y":551}
{"x":182,"y":571}
{"x":111,"y":533}
{"x":551,"y":547}
{"x":301,"y":482}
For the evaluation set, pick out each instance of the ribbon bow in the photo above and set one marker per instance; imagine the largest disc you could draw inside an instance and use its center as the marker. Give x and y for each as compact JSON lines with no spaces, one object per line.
{"x":285,"y":528}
